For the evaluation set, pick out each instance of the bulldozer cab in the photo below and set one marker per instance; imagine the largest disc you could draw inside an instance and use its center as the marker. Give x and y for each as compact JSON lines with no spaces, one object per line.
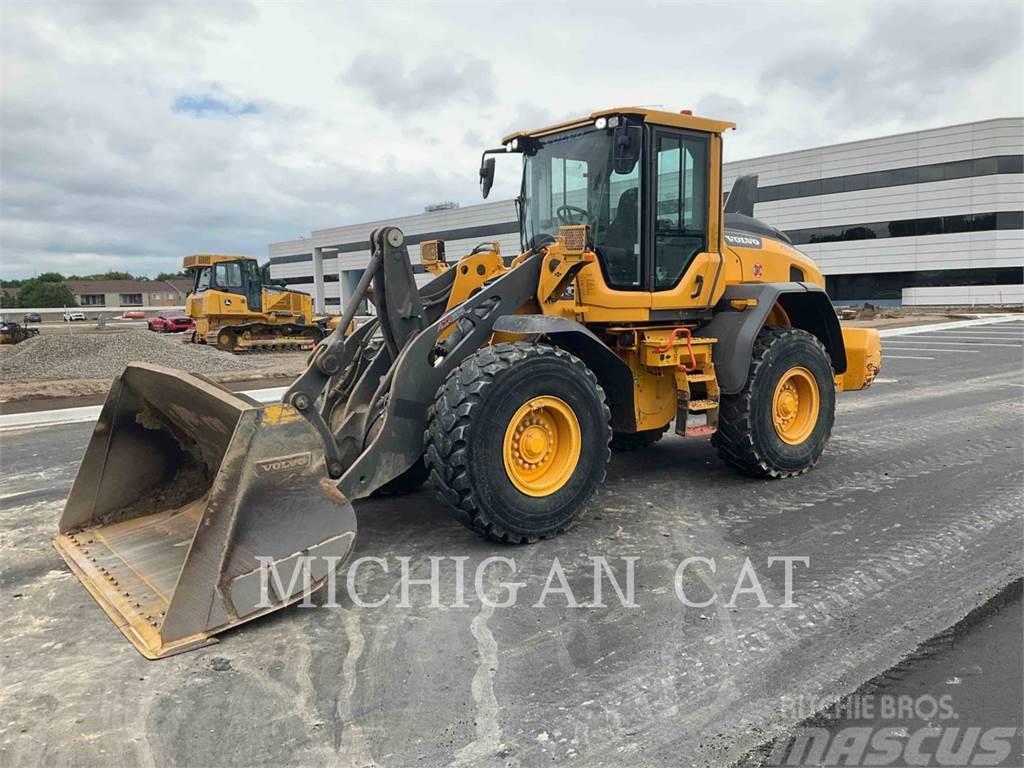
{"x":229,"y":274}
{"x":648,"y":186}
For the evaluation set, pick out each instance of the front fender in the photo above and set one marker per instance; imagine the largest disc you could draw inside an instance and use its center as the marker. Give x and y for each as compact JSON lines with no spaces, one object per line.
{"x":612,"y":372}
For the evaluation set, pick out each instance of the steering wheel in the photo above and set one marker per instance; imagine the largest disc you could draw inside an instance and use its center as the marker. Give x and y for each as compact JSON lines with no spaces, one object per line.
{"x":570,"y":214}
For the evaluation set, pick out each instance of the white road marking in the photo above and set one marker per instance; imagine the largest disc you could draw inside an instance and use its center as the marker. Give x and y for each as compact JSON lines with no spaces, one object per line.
{"x":915,"y":329}
{"x":955,"y":342}
{"x":904,"y":357}
{"x":84,"y":413}
{"x":930,"y":349}
{"x":988,"y":331}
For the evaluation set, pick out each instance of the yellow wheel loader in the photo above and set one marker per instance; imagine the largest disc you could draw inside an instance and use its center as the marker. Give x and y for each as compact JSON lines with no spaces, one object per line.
{"x":238,"y":308}
{"x":637,"y":304}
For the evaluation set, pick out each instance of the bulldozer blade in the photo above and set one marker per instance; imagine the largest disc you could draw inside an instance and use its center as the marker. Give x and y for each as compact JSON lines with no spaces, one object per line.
{"x":196,"y":509}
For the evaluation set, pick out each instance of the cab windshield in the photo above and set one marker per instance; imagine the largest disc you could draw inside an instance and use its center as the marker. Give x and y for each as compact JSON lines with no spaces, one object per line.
{"x":569,"y":178}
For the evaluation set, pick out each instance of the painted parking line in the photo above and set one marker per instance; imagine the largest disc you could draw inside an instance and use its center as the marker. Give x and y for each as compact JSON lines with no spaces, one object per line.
{"x":998,"y":330}
{"x":916,"y":329}
{"x":933,"y":349}
{"x":960,"y":337}
{"x":955,"y":342}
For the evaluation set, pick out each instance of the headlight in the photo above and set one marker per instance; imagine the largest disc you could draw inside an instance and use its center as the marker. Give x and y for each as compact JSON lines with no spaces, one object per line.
{"x":513,"y":145}
{"x":601,"y":123}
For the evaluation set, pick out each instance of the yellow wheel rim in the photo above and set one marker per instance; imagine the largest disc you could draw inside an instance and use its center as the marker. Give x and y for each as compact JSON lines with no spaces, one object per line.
{"x":542,"y":446}
{"x":795,"y":406}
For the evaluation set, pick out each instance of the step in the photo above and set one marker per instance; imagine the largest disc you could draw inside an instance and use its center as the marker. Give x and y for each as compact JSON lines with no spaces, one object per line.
{"x":702,"y":405}
{"x":702,"y":431}
{"x":698,"y":377}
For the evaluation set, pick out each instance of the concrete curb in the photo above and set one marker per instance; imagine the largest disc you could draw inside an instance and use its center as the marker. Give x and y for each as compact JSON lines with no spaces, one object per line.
{"x":39,"y":419}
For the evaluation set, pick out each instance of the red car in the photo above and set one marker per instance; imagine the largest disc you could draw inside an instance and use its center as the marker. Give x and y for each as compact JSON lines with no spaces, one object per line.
{"x":171,"y":322}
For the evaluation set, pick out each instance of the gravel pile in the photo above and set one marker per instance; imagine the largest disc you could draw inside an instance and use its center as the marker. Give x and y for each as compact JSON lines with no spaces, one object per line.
{"x":104,"y":356}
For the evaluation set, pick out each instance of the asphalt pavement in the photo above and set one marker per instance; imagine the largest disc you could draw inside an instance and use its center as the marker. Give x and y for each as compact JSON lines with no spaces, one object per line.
{"x":911,"y":521}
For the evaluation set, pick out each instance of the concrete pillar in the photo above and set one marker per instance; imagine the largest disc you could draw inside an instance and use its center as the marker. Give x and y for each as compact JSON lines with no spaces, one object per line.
{"x":318,"y":281}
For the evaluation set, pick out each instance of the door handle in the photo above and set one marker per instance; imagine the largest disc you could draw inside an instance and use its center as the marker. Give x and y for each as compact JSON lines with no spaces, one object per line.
{"x":699,"y":287}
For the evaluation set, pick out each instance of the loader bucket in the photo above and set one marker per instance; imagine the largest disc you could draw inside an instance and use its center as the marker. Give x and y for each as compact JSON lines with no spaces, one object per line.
{"x":186,"y":496}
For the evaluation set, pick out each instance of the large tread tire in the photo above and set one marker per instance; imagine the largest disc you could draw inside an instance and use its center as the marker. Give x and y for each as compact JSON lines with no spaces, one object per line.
{"x":746,"y":438}
{"x":632,"y":441}
{"x":466,"y":429}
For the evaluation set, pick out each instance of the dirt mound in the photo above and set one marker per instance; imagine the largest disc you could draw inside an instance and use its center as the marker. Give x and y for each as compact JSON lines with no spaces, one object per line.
{"x":104,"y":356}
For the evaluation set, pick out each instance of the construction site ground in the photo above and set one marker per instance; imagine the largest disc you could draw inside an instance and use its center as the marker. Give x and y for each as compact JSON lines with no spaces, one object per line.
{"x":911,"y":521}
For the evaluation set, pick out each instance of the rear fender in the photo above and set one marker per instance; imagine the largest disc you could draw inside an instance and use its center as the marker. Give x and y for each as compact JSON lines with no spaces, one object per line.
{"x":742,"y":312}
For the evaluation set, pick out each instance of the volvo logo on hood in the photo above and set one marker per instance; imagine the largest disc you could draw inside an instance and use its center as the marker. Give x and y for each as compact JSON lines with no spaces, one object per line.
{"x":743,"y":241}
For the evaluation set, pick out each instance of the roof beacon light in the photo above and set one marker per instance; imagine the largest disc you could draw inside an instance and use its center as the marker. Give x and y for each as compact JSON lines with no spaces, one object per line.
{"x":685,"y":111}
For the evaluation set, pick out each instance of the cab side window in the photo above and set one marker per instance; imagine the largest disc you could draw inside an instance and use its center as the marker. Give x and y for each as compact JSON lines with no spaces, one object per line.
{"x":228,"y":276}
{"x":680,"y":219}
{"x":202,"y":280}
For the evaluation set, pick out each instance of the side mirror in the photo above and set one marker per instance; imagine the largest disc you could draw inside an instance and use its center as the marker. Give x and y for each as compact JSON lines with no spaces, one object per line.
{"x":486,"y":176}
{"x":626,"y":143}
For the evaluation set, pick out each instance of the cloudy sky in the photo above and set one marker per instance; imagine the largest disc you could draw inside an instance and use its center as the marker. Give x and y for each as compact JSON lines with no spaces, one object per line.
{"x":133,"y":133}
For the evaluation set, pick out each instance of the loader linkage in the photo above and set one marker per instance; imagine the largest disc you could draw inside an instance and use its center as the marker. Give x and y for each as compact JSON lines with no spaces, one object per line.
{"x":373,"y":428}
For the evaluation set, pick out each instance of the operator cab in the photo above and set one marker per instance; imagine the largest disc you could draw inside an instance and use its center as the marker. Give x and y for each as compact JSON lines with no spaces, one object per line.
{"x":642,"y":180}
{"x":228,"y":274}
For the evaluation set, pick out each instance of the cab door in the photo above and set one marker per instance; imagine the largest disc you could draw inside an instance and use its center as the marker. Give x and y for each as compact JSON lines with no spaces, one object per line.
{"x":683,"y":227}
{"x":253,"y":285}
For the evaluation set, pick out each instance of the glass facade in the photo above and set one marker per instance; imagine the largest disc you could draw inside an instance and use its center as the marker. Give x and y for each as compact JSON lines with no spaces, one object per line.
{"x":875,"y":286}
{"x":932,"y":225}
{"x":918,"y":174}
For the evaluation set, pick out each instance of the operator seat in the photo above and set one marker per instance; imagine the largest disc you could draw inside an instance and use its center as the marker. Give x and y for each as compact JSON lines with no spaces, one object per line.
{"x":621,"y":240}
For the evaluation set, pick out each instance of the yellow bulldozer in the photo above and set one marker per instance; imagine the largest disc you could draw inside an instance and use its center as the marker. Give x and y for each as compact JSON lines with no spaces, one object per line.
{"x":637,"y":303}
{"x":238,"y":308}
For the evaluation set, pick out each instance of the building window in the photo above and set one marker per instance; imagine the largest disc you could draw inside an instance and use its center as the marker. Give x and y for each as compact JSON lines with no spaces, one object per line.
{"x":92,"y":300}
{"x":920,"y":174}
{"x":889,"y":286}
{"x":932,"y":225}
{"x":131,"y":299}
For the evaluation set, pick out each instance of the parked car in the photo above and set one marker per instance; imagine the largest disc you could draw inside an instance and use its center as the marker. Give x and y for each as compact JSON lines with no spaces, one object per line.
{"x":171,"y":322}
{"x":70,"y":316}
{"x":134,"y":314}
{"x":32,"y":317}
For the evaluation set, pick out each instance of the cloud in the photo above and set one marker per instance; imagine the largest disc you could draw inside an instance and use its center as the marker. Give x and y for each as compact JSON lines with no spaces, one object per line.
{"x":136,"y":133}
{"x":440,"y":81}
{"x":908,"y":61}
